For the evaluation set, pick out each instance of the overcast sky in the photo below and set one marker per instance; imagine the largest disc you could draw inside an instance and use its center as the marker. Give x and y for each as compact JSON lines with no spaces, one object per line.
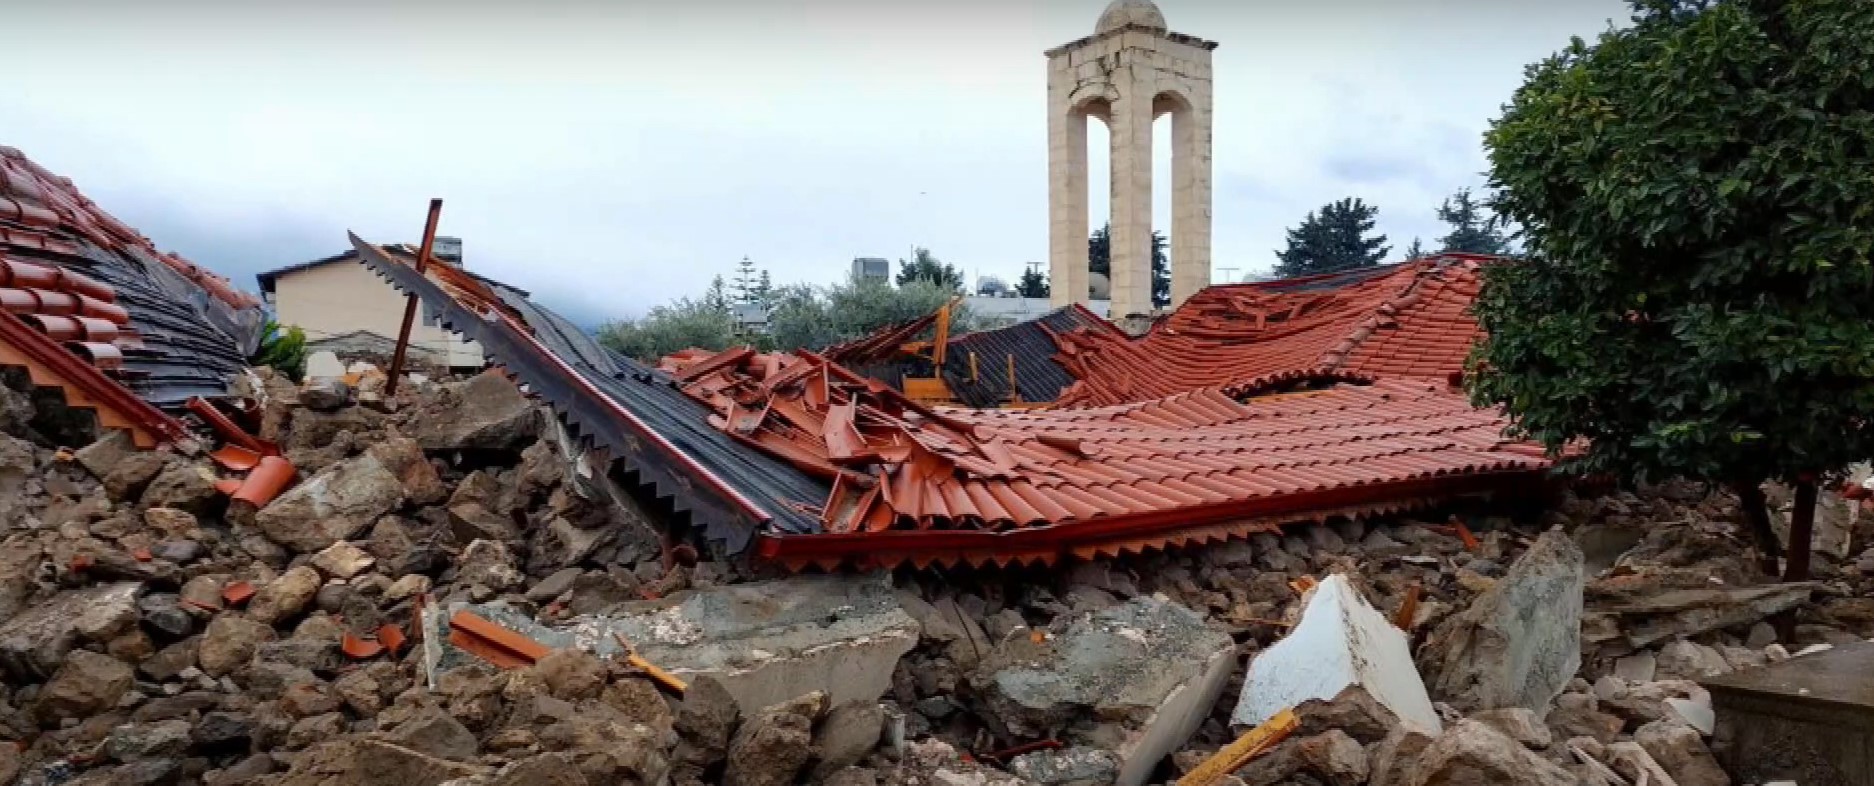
{"x":612,"y":156}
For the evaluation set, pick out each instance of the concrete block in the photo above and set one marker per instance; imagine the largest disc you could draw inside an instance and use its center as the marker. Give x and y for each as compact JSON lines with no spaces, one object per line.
{"x":1809,"y":719}
{"x":766,"y":642}
{"x":1136,"y":679}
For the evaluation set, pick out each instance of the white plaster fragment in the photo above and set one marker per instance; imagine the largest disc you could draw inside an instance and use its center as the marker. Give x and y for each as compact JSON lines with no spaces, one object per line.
{"x":1340,"y":641}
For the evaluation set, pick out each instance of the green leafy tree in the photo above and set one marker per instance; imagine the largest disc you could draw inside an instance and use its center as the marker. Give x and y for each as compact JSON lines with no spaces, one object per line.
{"x":1338,"y":237}
{"x":1032,"y":284}
{"x":282,"y":349}
{"x":798,"y":318}
{"x":1416,"y":250}
{"x":808,"y":318}
{"x":923,"y":266}
{"x":684,"y":324}
{"x":1695,"y":194}
{"x":1474,"y":229}
{"x":1100,"y":260}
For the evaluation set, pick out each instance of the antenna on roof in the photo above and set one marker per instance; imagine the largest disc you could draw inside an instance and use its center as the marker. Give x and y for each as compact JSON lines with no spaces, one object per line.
{"x":1229,"y":275}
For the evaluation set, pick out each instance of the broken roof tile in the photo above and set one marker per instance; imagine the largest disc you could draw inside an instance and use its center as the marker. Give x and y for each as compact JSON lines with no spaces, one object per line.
{"x":1406,"y":320}
{"x":1126,"y":476}
{"x":809,"y":463}
{"x":164,"y":329}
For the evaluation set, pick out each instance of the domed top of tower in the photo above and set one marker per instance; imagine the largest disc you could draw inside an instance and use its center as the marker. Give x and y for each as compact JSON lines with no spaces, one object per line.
{"x":1130,"y":12}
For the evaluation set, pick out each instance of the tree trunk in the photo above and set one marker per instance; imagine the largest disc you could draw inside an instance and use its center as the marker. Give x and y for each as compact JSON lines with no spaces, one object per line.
{"x":1757,"y":513}
{"x":1801,"y":531}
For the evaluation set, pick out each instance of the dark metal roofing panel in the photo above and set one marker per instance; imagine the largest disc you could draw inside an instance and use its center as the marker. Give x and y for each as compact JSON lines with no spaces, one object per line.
{"x":185,"y":353}
{"x":1037,"y":374}
{"x":194,"y":329}
{"x":685,"y":422}
{"x":633,"y":413}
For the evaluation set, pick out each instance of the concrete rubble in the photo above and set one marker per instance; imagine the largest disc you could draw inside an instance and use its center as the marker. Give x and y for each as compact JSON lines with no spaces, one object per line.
{"x":1519,"y":642}
{"x":840,"y":635}
{"x":152,"y":633}
{"x":1148,"y":671}
{"x":1341,"y":642}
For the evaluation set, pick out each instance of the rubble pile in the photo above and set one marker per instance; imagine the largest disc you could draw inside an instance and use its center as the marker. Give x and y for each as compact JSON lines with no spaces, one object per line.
{"x":439,"y":600}
{"x":1563,"y":648}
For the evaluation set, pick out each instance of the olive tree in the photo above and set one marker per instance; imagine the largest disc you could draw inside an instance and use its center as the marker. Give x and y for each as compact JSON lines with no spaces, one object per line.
{"x":1696,"y":193}
{"x":807,"y":317}
{"x":683,"y":324}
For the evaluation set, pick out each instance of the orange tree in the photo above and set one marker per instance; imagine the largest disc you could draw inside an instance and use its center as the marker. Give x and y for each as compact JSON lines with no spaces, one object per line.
{"x":1696,"y":193}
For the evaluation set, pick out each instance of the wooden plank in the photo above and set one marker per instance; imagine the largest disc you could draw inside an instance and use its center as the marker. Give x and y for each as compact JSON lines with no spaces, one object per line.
{"x":1233,"y":756}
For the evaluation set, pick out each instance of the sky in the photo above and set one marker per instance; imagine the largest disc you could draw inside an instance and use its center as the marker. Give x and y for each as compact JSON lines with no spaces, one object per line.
{"x":613,"y":156}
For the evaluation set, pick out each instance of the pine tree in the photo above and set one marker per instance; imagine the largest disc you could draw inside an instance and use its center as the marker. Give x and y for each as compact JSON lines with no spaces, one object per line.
{"x":1472,"y":231}
{"x":923,"y":266}
{"x":1100,"y":260}
{"x":1161,"y":271}
{"x":746,"y":281}
{"x":1335,"y":239}
{"x":1032,"y":284}
{"x":1415,"y":251}
{"x":764,"y":288}
{"x":718,"y":295}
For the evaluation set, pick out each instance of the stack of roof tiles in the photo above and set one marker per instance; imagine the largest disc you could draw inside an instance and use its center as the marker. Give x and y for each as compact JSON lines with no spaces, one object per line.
{"x":92,"y":306}
{"x":1409,"y":320}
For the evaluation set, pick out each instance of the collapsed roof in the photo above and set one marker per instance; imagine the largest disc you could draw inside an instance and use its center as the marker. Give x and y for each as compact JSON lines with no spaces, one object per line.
{"x":1407,"y":320}
{"x":89,"y":305}
{"x":920,"y":485}
{"x":659,"y":438}
{"x":808,"y":463}
{"x":987,"y":368}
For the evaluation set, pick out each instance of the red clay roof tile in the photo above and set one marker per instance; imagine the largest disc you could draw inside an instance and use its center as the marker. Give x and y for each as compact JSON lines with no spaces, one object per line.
{"x":1410,"y":320}
{"x":37,"y":198}
{"x":1165,"y":467}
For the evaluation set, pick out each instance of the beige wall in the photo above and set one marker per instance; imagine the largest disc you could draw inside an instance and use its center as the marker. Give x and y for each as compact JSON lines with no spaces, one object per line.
{"x":342,"y":297}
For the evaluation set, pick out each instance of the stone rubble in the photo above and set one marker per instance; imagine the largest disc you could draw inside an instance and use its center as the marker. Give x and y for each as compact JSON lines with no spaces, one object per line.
{"x":153,"y":633}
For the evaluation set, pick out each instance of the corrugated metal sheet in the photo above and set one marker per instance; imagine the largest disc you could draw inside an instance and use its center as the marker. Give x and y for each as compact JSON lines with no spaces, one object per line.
{"x":1032,"y":347}
{"x":632,"y":412}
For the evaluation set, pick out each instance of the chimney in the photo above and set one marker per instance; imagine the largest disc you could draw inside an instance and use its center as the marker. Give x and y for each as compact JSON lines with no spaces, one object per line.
{"x":448,"y":249}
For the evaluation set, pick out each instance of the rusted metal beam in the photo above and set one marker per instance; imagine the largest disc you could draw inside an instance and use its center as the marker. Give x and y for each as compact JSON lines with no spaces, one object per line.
{"x":409,"y":303}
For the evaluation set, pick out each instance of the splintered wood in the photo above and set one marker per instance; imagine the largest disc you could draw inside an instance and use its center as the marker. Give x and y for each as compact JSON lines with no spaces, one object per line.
{"x":1408,"y":609}
{"x":664,"y":679}
{"x":1233,"y":756}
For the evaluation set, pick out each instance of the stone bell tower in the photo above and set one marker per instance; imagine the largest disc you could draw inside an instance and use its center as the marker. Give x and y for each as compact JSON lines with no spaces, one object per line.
{"x":1128,"y":73}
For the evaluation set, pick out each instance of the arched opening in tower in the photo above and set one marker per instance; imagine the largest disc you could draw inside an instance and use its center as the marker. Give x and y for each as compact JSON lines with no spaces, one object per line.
{"x":1098,"y":114}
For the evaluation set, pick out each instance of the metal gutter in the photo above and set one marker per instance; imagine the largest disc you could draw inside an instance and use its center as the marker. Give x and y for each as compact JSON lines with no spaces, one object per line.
{"x":1113,"y":535}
